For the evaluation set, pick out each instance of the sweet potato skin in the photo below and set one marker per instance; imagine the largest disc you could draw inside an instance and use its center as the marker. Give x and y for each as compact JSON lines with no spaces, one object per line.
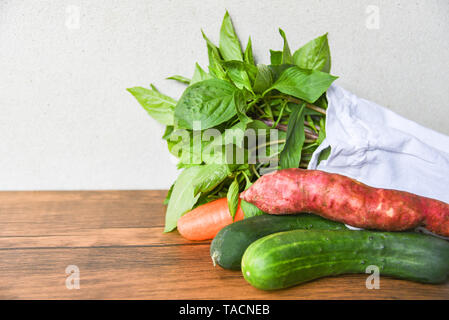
{"x":340,"y":198}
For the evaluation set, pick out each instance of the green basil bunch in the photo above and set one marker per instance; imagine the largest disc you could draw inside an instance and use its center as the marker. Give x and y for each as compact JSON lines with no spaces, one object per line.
{"x":285,"y":99}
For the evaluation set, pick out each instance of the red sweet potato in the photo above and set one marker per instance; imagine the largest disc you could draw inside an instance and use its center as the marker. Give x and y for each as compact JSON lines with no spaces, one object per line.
{"x":337,"y":197}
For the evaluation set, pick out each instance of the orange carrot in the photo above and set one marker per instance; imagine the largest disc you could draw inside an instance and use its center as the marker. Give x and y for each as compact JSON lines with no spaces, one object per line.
{"x":204,"y":222}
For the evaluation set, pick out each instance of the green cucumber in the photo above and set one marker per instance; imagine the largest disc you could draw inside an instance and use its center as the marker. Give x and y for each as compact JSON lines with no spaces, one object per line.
{"x":230,"y":243}
{"x":289,"y":258}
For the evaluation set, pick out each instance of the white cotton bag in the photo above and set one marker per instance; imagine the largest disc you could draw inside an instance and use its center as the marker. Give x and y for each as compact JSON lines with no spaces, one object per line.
{"x":377,"y":147}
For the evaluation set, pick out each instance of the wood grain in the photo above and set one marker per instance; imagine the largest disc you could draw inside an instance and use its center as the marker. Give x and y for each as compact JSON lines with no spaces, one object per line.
{"x":116,"y":239}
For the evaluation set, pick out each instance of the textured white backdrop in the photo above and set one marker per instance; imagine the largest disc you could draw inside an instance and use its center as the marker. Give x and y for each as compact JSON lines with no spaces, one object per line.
{"x":66,"y":121}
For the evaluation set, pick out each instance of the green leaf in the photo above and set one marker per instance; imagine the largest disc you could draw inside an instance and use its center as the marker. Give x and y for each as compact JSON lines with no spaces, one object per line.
{"x":210,"y":101}
{"x":159,"y":106}
{"x":248,"y":55}
{"x":236,"y":70}
{"x":314,"y":55}
{"x":215,"y":60}
{"x":278,"y":69}
{"x":180,"y":79}
{"x":235,"y":134}
{"x":199,"y":75}
{"x":229,"y":42}
{"x":217,"y":150}
{"x":182,"y":197}
{"x":286,"y":57}
{"x":167,"y":198}
{"x":264,"y":79}
{"x":240,"y":107}
{"x":324,"y":155}
{"x":304,"y":84}
{"x":210,"y":176}
{"x":233,"y":197}
{"x":322,"y":132}
{"x":168,"y":131}
{"x":275,"y":57}
{"x":290,"y":156}
{"x":249,"y":210}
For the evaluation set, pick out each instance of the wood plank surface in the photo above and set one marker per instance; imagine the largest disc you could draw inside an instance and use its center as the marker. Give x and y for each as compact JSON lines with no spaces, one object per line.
{"x":116,"y":240}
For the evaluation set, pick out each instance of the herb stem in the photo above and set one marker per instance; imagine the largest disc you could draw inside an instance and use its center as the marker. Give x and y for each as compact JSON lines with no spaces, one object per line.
{"x":299,"y":101}
{"x":266,"y":144}
{"x":255,"y":171}
{"x":309,"y":133}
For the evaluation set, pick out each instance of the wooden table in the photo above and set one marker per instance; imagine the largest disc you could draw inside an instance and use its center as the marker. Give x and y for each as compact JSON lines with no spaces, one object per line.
{"x":116,"y":240}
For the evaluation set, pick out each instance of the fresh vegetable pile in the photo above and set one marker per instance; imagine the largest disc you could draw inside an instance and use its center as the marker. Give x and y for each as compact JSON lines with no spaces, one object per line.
{"x":283,"y":103}
{"x":240,"y":120}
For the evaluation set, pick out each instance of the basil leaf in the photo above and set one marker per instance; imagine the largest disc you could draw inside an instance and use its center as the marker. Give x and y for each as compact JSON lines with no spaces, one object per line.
{"x":324,"y":154}
{"x":168,"y":131}
{"x":199,"y":75}
{"x":210,"y":101}
{"x":215,"y":61}
{"x":216,"y":151}
{"x":235,"y":134}
{"x":304,"y":84}
{"x":290,"y":156}
{"x":233,"y":197}
{"x":275,"y":57}
{"x":167,"y":198}
{"x":264,"y":78}
{"x":182,"y":197}
{"x":314,"y":55}
{"x":210,"y":176}
{"x":229,"y":42}
{"x":236,"y":71}
{"x":286,"y":57}
{"x":180,"y":79}
{"x":159,"y":106}
{"x":240,"y":107}
{"x":250,"y":210}
{"x":248,"y":55}
{"x":278,"y":69}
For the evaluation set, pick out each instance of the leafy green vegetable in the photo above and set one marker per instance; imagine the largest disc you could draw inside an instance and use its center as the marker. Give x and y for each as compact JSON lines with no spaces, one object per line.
{"x":324,"y":155}
{"x":250,"y":210}
{"x":286,"y":57}
{"x":248,"y":54}
{"x":209,"y":177}
{"x":199,"y":75}
{"x":314,"y":55}
{"x":240,"y":107}
{"x":182,"y":197}
{"x":304,"y":84}
{"x":275,"y":57}
{"x":237,"y":120}
{"x":158,"y":105}
{"x":210,"y":102}
{"x":215,"y":60}
{"x":229,"y":42}
{"x":236,"y":70}
{"x":233,"y":197}
{"x":264,"y":78}
{"x":291,"y":154}
{"x":180,"y":79}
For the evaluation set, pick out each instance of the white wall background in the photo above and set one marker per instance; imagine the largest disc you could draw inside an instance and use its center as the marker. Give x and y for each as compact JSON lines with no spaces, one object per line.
{"x":66,"y":121}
